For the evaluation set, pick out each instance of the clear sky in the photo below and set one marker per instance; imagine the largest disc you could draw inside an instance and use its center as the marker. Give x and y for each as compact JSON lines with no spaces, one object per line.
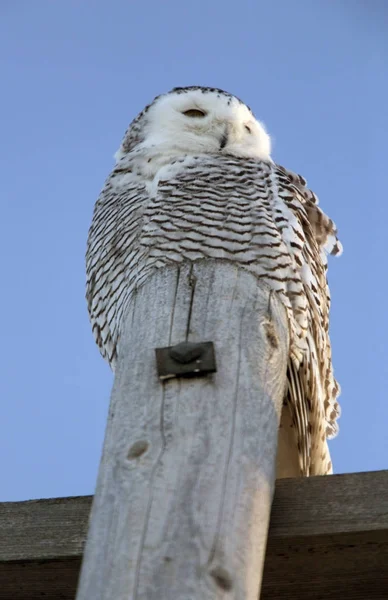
{"x":74,"y":73}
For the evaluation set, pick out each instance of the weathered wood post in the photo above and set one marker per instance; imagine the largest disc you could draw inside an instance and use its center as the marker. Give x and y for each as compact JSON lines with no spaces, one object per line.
{"x":184,"y":491}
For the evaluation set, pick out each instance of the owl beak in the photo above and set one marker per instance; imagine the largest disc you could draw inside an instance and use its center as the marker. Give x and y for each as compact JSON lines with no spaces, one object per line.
{"x":224,"y":137}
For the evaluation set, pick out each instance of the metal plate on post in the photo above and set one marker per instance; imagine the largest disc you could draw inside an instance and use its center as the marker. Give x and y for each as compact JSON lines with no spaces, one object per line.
{"x":187,"y":359}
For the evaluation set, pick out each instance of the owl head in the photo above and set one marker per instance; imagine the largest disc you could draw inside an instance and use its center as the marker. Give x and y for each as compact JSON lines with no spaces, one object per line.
{"x":197,"y":120}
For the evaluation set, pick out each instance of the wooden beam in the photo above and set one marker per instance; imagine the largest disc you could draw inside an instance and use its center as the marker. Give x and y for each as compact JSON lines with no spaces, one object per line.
{"x":186,"y":481}
{"x":328,"y":540}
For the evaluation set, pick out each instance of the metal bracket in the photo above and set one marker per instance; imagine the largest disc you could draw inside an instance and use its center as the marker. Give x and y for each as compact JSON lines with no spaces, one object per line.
{"x":187,"y":359}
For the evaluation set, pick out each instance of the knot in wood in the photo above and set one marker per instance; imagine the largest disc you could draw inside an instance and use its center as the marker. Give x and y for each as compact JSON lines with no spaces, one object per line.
{"x":222,"y":578}
{"x":186,"y":352}
{"x":271,"y":334}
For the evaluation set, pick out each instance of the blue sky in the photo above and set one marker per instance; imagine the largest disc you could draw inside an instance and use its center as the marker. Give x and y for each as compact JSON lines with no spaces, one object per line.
{"x":73,"y":76}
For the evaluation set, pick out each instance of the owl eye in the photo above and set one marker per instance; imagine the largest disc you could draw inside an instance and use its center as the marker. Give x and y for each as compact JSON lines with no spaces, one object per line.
{"x":249,"y":130}
{"x":194,"y":112}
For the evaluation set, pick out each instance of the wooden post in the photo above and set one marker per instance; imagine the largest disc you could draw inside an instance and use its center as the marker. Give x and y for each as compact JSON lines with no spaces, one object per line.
{"x":186,"y":481}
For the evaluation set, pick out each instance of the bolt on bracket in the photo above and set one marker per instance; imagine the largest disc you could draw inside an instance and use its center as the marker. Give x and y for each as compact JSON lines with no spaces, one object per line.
{"x":187,"y":359}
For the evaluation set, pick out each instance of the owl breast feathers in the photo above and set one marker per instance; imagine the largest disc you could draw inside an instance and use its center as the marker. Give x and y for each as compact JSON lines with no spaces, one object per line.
{"x":194,"y":180}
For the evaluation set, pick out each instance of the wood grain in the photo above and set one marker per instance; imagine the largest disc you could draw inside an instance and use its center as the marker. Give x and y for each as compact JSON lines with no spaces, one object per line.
{"x":328,"y":540}
{"x":186,"y":481}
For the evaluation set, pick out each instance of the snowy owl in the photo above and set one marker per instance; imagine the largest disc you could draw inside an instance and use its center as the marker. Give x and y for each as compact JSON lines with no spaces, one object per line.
{"x":193,"y":180}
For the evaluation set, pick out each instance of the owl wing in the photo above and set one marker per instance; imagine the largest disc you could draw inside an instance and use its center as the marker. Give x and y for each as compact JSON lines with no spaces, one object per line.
{"x":112,"y":255}
{"x":312,"y":389}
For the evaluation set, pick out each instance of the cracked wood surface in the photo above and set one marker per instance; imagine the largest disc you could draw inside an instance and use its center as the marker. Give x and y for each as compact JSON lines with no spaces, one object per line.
{"x":186,"y":480}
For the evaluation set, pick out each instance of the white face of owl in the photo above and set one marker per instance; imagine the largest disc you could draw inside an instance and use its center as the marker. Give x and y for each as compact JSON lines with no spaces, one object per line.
{"x":201,"y":120}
